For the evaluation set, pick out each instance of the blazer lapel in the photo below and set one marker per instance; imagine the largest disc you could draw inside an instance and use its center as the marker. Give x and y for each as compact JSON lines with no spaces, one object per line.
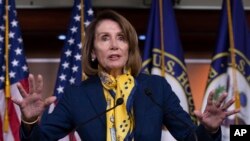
{"x":96,"y":96}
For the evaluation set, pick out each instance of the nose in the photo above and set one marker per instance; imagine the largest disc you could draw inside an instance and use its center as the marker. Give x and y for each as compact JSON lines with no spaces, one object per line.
{"x":114,"y":44}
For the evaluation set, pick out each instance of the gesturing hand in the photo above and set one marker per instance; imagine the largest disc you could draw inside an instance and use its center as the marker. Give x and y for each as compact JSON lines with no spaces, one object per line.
{"x":32,"y":105}
{"x":215,"y":112}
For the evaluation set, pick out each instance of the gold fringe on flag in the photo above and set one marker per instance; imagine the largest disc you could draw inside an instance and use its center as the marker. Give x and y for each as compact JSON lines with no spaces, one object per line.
{"x":162,"y":40}
{"x":7,"y":79}
{"x":84,"y":76}
{"x":233,"y":55}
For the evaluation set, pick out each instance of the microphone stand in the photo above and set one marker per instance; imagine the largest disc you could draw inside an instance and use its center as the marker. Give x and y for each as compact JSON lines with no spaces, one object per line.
{"x":119,"y":101}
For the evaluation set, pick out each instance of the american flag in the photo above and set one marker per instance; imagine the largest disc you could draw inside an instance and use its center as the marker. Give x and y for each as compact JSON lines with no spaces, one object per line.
{"x":70,"y":69}
{"x":17,"y":70}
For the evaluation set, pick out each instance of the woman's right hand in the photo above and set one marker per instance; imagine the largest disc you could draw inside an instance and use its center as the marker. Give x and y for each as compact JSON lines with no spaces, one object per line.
{"x":32,"y":105}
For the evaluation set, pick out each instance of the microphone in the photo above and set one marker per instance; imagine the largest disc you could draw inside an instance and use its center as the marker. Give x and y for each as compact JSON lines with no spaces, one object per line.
{"x":119,"y":101}
{"x":149,"y":94}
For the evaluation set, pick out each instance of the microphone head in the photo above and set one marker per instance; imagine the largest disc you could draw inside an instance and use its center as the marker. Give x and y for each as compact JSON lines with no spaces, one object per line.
{"x":119,"y":101}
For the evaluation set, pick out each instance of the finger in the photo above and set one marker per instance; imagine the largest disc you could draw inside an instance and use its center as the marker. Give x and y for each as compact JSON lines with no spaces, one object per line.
{"x":228,"y":104}
{"x":22,"y":90}
{"x":229,"y":113}
{"x":210,"y":97}
{"x":220,"y":100}
{"x":31,"y":83}
{"x":39,"y":85}
{"x":50,"y":100}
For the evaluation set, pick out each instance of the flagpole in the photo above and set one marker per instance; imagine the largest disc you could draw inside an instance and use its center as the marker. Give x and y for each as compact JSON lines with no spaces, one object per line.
{"x":162,"y":40}
{"x":7,"y":79}
{"x":232,"y":55}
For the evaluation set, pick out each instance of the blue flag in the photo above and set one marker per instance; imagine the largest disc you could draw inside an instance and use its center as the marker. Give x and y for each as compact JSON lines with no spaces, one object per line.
{"x":163,"y":54}
{"x":12,"y":60}
{"x":70,"y":67}
{"x":233,"y":47}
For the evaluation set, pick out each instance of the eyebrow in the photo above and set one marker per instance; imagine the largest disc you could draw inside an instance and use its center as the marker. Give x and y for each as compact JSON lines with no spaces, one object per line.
{"x":119,"y":33}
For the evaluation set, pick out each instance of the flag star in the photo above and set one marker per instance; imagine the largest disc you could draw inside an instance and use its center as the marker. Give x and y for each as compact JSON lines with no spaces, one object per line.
{"x":14,"y":11}
{"x":79,"y":45}
{"x":77,"y":18}
{"x":79,"y":6}
{"x":12,"y":74}
{"x":62,"y":77}
{"x":15,"y":63}
{"x":60,"y":89}
{"x":1,"y":38}
{"x":78,"y":56}
{"x":65,"y":65}
{"x":75,"y":68}
{"x":87,"y":22}
{"x":2,"y":78}
{"x":68,"y":53}
{"x":20,"y":40}
{"x":3,"y":67}
{"x":11,"y":35}
{"x":18,"y":51}
{"x":14,"y":23}
{"x":90,"y":12}
{"x":25,"y":68}
{"x":2,"y":27}
{"x":71,"y":41}
{"x":73,"y":29}
{"x":72,"y":80}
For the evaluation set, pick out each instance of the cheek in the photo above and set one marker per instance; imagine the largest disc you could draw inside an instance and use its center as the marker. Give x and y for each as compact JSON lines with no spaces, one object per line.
{"x":99,"y":52}
{"x":100,"y":55}
{"x":126,"y":52}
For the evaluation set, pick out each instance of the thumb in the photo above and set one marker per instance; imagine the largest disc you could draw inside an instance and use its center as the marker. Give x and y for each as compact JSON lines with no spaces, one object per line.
{"x":198,"y":114}
{"x":16,"y":101}
{"x":49,"y":100}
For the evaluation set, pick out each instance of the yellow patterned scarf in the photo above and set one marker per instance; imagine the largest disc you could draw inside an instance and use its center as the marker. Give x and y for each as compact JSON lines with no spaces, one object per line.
{"x":120,"y":121}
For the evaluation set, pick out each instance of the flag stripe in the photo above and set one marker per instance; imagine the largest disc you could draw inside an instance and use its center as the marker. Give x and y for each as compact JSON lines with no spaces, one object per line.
{"x":1,"y":129}
{"x":13,"y":120}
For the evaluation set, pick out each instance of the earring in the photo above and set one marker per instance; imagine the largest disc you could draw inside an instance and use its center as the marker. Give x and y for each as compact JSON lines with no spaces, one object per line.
{"x":93,"y":59}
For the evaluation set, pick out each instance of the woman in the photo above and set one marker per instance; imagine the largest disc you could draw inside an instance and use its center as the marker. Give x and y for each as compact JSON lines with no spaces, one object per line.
{"x":116,"y":102}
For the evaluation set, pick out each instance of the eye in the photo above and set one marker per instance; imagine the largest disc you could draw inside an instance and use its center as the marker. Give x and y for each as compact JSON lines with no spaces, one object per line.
{"x":104,"y":37}
{"x":121,"y":38}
